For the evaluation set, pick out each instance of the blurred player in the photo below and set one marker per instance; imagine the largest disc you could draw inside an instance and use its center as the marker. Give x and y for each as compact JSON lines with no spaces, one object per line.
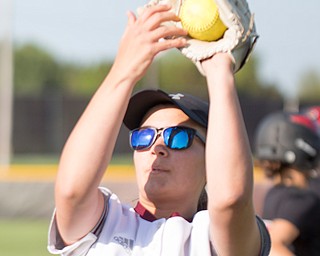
{"x":313,"y":113}
{"x":287,"y":149}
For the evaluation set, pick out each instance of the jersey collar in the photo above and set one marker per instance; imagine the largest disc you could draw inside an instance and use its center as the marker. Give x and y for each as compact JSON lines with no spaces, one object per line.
{"x":146,"y":215}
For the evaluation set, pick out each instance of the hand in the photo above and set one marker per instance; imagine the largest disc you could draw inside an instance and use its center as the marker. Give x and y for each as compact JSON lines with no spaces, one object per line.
{"x":141,"y":40}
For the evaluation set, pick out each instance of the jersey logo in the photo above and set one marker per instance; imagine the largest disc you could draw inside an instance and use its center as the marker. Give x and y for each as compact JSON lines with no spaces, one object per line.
{"x":126,"y":243}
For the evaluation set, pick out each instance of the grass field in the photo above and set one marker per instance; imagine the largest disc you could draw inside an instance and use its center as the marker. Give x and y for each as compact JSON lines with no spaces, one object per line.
{"x":23,"y":237}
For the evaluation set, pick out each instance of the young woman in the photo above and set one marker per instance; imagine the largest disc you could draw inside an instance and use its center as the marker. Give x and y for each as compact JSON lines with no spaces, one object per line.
{"x":180,"y":146}
{"x":287,"y":148}
{"x":313,"y":113}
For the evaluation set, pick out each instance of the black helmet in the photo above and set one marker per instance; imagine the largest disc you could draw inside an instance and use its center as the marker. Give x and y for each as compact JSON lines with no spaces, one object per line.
{"x":313,"y":113}
{"x":289,"y":138}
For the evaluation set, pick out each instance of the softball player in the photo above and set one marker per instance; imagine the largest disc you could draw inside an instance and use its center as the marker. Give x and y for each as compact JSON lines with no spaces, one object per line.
{"x":313,"y":112}
{"x":181,"y":146}
{"x":287,"y":148}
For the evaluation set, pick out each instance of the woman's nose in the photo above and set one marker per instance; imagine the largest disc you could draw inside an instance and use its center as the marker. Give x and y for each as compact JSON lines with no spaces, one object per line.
{"x":159,"y":147}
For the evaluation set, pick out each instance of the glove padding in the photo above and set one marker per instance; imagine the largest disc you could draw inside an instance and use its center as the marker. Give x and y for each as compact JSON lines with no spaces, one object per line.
{"x":238,"y":40}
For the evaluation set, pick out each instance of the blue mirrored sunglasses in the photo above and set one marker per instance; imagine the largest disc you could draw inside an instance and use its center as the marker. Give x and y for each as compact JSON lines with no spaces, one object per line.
{"x":175,"y":137}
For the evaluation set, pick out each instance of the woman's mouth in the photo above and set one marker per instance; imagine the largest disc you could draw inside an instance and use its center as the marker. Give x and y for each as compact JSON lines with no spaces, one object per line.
{"x":158,"y":170}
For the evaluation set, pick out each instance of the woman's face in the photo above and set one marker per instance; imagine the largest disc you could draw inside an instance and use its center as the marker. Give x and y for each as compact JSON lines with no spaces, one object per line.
{"x":293,"y":177}
{"x":167,"y":174}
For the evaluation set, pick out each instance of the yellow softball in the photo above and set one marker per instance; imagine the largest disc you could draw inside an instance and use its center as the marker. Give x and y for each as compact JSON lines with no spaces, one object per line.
{"x":201,"y":19}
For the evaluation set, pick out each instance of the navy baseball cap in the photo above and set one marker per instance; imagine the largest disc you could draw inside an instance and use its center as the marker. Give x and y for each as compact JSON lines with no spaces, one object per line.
{"x":140,"y":103}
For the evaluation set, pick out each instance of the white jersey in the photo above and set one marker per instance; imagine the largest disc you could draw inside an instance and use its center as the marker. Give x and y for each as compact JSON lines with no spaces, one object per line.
{"x":124,"y":232}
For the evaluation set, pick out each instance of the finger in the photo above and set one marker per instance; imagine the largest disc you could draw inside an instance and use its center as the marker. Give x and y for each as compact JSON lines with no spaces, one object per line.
{"x":168,"y":32}
{"x":161,"y":18}
{"x":166,"y":44}
{"x":155,"y":16}
{"x":148,"y":12}
{"x":131,"y":18}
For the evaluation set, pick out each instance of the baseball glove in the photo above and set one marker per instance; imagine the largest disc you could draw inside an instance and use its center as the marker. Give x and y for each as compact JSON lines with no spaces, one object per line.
{"x":238,"y":40}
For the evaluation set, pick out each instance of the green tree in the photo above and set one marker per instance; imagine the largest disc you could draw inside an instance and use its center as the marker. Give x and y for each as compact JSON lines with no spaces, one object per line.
{"x":36,"y":71}
{"x":83,"y":80}
{"x":309,"y":86}
{"x":178,"y":73}
{"x":249,"y":82}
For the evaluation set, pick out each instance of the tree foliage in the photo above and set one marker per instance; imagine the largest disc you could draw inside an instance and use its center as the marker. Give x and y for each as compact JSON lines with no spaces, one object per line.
{"x":84,"y":80}
{"x":309,"y":86}
{"x":37,"y":72}
{"x":177,"y":73}
{"x":249,"y":82}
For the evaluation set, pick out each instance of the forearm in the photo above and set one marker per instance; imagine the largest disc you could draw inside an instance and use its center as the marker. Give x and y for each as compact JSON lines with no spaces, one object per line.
{"x":89,"y":147}
{"x":84,"y":160}
{"x":229,"y":162}
{"x":229,"y":166}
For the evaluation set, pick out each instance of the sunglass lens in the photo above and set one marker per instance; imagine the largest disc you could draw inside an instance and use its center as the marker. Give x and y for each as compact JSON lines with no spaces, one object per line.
{"x":142,"y":138}
{"x":177,"y":137}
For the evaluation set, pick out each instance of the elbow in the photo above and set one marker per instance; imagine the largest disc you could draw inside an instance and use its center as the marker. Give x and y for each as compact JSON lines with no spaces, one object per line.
{"x":66,"y":194}
{"x":70,"y":193}
{"x":232,"y":200}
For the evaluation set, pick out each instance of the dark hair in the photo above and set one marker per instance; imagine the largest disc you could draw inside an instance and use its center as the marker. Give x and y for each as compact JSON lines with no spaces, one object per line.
{"x":271,"y":168}
{"x":203,"y":201}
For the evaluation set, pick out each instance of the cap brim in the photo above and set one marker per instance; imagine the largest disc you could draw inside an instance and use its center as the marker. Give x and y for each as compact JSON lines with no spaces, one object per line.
{"x":142,"y":101}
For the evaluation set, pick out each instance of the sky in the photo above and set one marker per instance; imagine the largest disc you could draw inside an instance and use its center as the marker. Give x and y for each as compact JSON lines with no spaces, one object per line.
{"x":89,"y":30}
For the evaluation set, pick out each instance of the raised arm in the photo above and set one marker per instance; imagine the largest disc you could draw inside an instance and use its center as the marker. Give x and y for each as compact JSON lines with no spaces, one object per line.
{"x":87,"y":153}
{"x":229,"y":165}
